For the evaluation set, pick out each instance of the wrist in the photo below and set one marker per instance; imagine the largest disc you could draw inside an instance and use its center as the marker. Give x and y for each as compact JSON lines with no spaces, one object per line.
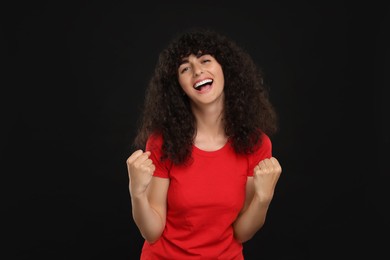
{"x":260,"y":201}
{"x":137,"y":195}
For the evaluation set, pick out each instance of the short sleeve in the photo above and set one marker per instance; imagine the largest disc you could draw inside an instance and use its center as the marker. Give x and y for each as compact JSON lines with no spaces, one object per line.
{"x":154,"y":145}
{"x":263,"y":151}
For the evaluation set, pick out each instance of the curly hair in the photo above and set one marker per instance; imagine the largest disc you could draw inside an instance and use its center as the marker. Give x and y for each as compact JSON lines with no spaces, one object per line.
{"x":247,"y":109}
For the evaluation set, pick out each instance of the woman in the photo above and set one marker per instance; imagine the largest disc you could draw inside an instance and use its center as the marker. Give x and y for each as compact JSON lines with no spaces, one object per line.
{"x":203,"y":175}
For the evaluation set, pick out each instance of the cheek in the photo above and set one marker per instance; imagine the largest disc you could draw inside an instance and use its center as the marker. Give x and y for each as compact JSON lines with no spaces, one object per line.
{"x":221,"y":77}
{"x":218,"y":71}
{"x":185,"y":84}
{"x":221,"y":72}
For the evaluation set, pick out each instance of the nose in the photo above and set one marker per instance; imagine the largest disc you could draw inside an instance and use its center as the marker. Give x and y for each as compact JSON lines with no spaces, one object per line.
{"x":197,"y":70}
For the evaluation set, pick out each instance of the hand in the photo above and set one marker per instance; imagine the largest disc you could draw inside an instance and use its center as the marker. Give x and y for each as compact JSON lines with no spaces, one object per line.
{"x":266,"y":175}
{"x":140,"y":169}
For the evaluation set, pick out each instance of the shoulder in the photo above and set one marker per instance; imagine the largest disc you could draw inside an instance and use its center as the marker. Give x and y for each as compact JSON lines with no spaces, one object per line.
{"x":263,"y":148}
{"x":154,"y":142}
{"x":265,"y":141}
{"x":154,"y":145}
{"x":155,"y":136}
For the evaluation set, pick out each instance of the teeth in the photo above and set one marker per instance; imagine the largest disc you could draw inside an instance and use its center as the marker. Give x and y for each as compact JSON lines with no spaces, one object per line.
{"x":202,"y":82}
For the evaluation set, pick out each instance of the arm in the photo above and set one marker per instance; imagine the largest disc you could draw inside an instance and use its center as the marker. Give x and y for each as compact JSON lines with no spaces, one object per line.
{"x":148,"y":196}
{"x":259,"y":193}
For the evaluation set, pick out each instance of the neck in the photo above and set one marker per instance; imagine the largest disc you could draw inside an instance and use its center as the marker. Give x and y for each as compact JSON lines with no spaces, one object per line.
{"x":209,"y":118}
{"x":210,"y":130}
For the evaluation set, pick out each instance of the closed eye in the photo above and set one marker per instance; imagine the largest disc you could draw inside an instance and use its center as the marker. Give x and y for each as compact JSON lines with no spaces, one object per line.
{"x":184,"y":69}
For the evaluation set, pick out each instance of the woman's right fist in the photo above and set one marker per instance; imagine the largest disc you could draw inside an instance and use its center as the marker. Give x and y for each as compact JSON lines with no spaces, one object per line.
{"x":140,"y":170}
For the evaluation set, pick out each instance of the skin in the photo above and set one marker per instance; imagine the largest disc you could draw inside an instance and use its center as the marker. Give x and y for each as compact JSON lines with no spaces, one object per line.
{"x":149,"y":194}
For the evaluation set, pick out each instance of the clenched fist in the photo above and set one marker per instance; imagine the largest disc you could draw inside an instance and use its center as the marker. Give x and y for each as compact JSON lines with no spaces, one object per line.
{"x":266,"y":175}
{"x":140,"y":169}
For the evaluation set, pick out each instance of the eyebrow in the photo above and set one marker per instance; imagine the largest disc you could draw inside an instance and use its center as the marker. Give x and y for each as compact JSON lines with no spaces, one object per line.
{"x":183,"y":60}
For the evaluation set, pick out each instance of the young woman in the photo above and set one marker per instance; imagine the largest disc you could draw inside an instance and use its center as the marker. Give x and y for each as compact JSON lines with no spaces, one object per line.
{"x":203,"y":175}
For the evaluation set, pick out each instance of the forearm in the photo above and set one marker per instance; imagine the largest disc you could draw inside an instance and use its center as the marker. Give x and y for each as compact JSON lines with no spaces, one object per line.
{"x":251,"y":220}
{"x":149,"y":222}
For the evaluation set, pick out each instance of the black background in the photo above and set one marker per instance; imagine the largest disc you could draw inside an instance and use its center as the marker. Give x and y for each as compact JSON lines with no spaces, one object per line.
{"x":73,"y":83}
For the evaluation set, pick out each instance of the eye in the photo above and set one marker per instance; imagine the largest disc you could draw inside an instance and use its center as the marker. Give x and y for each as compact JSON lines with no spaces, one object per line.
{"x":182,"y":70}
{"x":206,"y":58}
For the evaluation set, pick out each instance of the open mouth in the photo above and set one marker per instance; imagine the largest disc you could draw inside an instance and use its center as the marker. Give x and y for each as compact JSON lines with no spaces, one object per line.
{"x":202,"y":84}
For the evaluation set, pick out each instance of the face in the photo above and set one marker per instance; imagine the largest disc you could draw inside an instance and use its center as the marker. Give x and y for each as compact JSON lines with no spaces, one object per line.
{"x":201,"y":78}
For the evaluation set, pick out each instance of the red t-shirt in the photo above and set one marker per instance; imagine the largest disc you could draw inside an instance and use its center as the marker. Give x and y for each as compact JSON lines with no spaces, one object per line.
{"x":204,"y":199}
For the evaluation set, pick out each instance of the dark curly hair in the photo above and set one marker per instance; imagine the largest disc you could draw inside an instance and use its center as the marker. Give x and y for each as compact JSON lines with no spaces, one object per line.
{"x":247,"y":110}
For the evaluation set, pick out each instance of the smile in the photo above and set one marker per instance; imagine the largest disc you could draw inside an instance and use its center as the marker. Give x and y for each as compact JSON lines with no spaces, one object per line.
{"x":203,"y":83}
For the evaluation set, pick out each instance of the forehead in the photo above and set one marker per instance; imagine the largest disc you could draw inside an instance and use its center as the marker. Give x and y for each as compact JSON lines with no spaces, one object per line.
{"x":189,"y":53}
{"x":186,"y":58}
